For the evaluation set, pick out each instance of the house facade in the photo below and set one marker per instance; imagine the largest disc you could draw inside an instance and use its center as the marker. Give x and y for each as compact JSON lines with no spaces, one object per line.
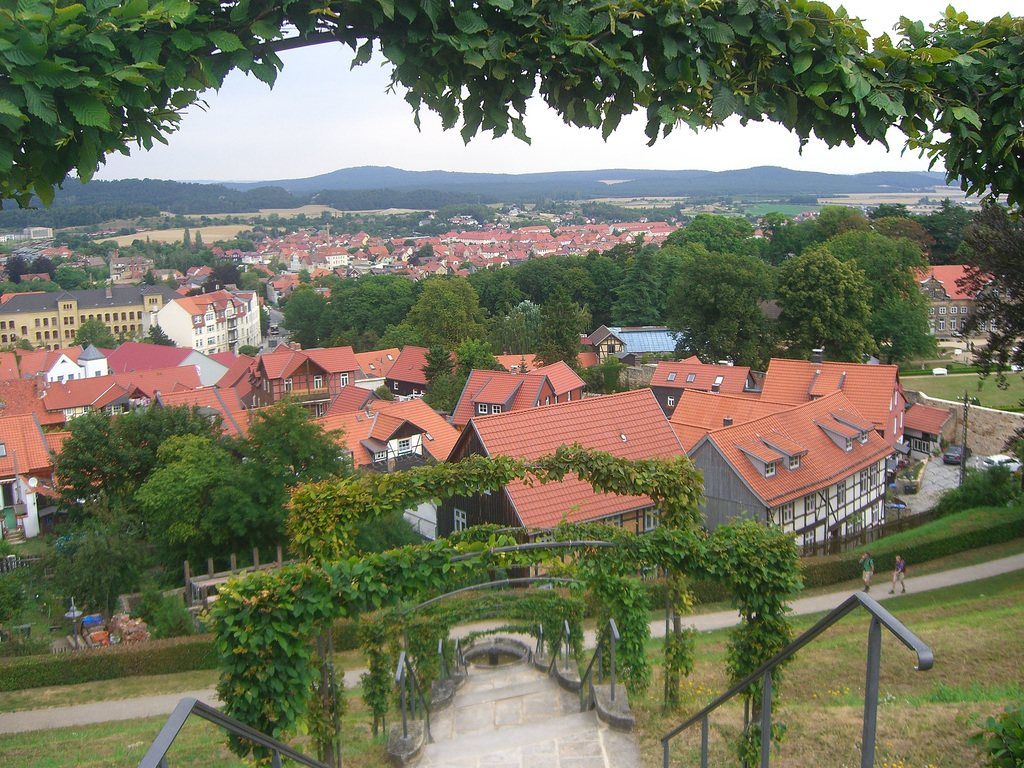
{"x":26,"y":475}
{"x":212,"y":322}
{"x":671,"y":379}
{"x":491,"y":392}
{"x":405,"y":377}
{"x":949,"y":305}
{"x":631,"y":344}
{"x":51,"y":320}
{"x":817,"y":470}
{"x":297,"y":374}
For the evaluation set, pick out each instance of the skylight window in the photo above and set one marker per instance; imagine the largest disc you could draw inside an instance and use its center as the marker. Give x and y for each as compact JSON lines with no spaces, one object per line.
{"x":672,"y":376}
{"x":691,"y":377}
{"x":3,"y":449}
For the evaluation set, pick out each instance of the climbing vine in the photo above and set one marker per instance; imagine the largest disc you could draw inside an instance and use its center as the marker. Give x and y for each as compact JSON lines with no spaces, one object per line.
{"x":266,"y":623}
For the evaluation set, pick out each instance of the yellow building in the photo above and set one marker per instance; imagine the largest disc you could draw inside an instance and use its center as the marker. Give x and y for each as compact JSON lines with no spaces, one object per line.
{"x":51,"y":320}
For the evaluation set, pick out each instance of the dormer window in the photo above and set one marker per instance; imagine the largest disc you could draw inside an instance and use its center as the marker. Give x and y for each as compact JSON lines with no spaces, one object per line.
{"x":672,"y":376}
{"x":849,"y":444}
{"x":718,"y":383}
{"x":769,"y":469}
{"x":863,"y":438}
{"x":495,"y":409}
{"x":794,"y":462}
{"x":481,"y":409}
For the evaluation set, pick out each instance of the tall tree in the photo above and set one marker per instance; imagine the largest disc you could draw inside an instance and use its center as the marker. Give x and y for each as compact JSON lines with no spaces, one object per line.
{"x":723,"y":234}
{"x":95,"y":332}
{"x":447,"y":313}
{"x":640,"y":298}
{"x":438,"y":363}
{"x":564,"y":322}
{"x":157,"y":335}
{"x":997,"y":277}
{"x":305,"y":316}
{"x":517,"y":332}
{"x":715,"y":304}
{"x":946,"y":225}
{"x":824,"y":304}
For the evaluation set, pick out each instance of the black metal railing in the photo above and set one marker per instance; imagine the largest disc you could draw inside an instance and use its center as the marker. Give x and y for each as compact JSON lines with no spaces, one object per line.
{"x":409,"y":689}
{"x":14,"y":562}
{"x":156,"y":755}
{"x":879,"y":618}
{"x":563,"y":648}
{"x":446,"y":670}
{"x":611,"y":636}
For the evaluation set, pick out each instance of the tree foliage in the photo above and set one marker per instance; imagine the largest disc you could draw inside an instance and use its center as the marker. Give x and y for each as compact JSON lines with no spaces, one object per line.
{"x":563,"y":322}
{"x":95,"y":332}
{"x":67,"y":99}
{"x":447,"y":312}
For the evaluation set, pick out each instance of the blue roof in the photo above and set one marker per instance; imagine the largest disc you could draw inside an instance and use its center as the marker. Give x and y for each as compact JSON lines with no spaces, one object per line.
{"x":641,"y":340}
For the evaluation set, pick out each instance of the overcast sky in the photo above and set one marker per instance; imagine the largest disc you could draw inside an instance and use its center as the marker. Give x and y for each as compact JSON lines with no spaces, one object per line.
{"x":320,"y":117}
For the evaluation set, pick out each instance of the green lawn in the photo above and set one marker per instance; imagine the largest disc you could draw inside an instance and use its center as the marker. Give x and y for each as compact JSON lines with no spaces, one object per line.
{"x":987,"y":391}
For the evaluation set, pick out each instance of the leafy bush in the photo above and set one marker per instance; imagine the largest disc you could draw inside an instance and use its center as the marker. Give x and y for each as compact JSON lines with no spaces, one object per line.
{"x":989,"y":488}
{"x":166,"y":616}
{"x":1001,"y":739}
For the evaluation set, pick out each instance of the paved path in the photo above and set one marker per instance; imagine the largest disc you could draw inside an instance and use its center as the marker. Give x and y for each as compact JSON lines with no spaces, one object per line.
{"x":149,"y":706}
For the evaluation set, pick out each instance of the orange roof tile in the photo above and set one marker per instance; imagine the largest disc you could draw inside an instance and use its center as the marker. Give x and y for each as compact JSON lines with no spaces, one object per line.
{"x":925,"y":418}
{"x":224,"y":401}
{"x":25,"y":447}
{"x":408,"y":366}
{"x":947,"y":274}
{"x":374,"y":364}
{"x":9,"y":366}
{"x":630,"y":425}
{"x":693,"y":374}
{"x":562,"y":378}
{"x":442,"y":434}
{"x":334,"y":359}
{"x":824,"y":463}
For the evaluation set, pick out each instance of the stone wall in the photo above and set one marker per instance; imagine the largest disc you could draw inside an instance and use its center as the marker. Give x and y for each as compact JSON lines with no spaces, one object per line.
{"x":638,"y":376}
{"x":987,"y":429}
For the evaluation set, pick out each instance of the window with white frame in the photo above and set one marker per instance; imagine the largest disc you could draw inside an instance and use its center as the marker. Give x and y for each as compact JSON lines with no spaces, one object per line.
{"x":318,"y":382}
{"x":459,"y":522}
{"x":786,"y":513}
{"x":651,"y":519}
{"x":495,"y":409}
{"x":404,"y":446}
{"x":864,"y":481}
{"x":670,"y":401}
{"x":841,"y":493}
{"x":942,"y":325}
{"x":690,"y":378}
{"x":481,"y":408}
{"x":942,"y":310}
{"x":810,"y":503}
{"x":344,"y":379}
{"x":288,"y":384}
{"x":672,"y":376}
{"x":769,"y":469}
{"x":794,"y":462}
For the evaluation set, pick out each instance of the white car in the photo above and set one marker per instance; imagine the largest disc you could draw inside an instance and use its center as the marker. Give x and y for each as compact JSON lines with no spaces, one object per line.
{"x":1001,"y":460}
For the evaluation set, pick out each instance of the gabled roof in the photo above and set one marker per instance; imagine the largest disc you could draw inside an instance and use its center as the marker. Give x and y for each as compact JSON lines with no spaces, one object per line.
{"x":137,"y":356}
{"x":806,"y":427}
{"x":562,"y":378}
{"x":22,"y":396}
{"x":350,"y":400}
{"x":25,"y":448}
{"x":148,"y":383}
{"x":225,"y":402}
{"x":367,"y":430}
{"x":9,"y":366}
{"x":947,"y":274}
{"x":408,"y":366}
{"x":638,"y":339}
{"x":693,"y":374}
{"x":925,"y":418}
{"x":282,"y":362}
{"x":334,"y":359}
{"x":377,"y":364}
{"x":630,"y":425}
{"x":513,"y":391}
{"x":870,"y":388}
{"x":98,"y":392}
{"x":238,"y":373}
{"x":508,"y":362}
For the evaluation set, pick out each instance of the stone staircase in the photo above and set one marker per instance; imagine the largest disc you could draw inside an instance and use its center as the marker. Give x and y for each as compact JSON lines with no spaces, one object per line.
{"x":517,"y":717}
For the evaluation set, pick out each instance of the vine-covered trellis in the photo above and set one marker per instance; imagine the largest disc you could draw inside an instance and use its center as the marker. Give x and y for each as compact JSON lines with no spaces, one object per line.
{"x":267,"y":624}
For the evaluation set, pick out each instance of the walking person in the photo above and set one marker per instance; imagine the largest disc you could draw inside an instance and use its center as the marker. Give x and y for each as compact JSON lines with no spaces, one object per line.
{"x":899,"y":575}
{"x":867,"y":566}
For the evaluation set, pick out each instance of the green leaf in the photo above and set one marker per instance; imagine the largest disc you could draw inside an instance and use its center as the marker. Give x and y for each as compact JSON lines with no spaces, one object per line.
{"x":388,"y":6}
{"x":225,"y":41}
{"x":802,"y":62}
{"x":967,"y":114}
{"x":470,"y":23}
{"x":8,"y":108}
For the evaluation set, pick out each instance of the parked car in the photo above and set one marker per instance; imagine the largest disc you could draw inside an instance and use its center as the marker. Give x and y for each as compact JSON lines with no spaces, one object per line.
{"x":1001,"y":460}
{"x":956,"y":454}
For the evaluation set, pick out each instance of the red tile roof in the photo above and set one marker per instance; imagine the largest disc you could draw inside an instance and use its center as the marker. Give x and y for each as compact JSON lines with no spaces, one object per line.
{"x":408,"y":366}
{"x":22,"y":396}
{"x":508,"y":362}
{"x":167,"y":380}
{"x":499,"y":387}
{"x":25,"y":447}
{"x":948,"y":274}
{"x":377,"y":364}
{"x":136,"y":356}
{"x":224,"y":401}
{"x":824,"y":462}
{"x":629,"y":425}
{"x":678,"y":375}
{"x":697,"y":413}
{"x":281,"y":363}
{"x":238,"y":373}
{"x":334,"y":359}
{"x":925,"y":418}
{"x":384,"y":420}
{"x":870,"y":388}
{"x":9,"y":366}
{"x":562,"y":378}
{"x":442,"y":434}
{"x":350,"y":400}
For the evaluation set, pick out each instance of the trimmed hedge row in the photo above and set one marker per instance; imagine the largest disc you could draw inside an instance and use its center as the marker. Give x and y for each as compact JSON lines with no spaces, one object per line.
{"x":157,"y":657}
{"x":961,"y":532}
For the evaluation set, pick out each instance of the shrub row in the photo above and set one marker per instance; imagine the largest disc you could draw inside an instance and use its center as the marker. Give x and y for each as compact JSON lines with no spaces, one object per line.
{"x":157,"y":657}
{"x":957,"y":533}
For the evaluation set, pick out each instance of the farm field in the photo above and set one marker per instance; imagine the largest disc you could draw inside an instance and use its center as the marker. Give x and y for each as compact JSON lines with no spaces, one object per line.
{"x":210,"y":234}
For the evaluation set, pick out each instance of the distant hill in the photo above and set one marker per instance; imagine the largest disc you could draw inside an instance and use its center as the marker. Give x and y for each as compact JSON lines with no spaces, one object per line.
{"x":370,"y":188}
{"x":618,"y":182}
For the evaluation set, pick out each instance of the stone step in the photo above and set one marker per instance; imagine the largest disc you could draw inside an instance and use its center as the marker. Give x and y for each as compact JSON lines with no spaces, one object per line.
{"x":512,"y":743}
{"x":470,"y":698}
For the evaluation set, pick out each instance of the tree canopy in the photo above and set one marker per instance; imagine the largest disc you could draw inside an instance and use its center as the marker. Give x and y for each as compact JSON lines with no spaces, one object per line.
{"x":79,"y":81}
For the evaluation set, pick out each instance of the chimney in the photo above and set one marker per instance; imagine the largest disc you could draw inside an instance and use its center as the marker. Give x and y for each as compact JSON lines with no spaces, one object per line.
{"x":817,"y":356}
{"x":108,"y":292}
{"x":727,"y":421}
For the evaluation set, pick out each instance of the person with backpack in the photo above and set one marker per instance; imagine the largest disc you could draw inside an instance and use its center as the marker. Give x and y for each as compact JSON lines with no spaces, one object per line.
{"x":867,"y":566}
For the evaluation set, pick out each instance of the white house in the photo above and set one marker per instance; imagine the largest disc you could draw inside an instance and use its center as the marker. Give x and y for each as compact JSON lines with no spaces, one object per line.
{"x":212,"y":322}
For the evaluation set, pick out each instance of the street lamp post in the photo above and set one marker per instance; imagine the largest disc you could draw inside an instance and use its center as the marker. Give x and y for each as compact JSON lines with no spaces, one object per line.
{"x":73,"y":615}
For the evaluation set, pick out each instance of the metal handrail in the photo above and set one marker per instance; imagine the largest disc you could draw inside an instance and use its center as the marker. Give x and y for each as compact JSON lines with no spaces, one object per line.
{"x":408,"y":686}
{"x":443,"y":672}
{"x":156,"y":755}
{"x":540,"y":640}
{"x":562,"y":646}
{"x":879,"y":618}
{"x":611,"y":632}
